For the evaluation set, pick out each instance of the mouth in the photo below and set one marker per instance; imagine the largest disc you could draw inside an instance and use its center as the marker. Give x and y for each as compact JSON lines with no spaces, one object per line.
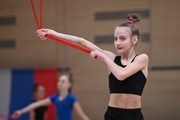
{"x":119,"y":48}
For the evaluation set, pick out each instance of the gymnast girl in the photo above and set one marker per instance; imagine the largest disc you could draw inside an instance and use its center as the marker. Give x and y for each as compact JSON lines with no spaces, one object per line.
{"x":128,"y":71}
{"x":40,"y":112}
{"x":64,"y":101}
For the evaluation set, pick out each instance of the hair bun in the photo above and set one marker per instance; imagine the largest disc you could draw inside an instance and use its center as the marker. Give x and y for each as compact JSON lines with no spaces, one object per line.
{"x":133,"y":18}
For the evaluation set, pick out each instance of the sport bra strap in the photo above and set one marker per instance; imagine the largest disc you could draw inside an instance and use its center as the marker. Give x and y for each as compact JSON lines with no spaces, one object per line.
{"x":134,"y":58}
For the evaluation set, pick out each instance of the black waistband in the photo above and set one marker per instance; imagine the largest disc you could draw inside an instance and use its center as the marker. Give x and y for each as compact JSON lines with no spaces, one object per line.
{"x":123,"y":111}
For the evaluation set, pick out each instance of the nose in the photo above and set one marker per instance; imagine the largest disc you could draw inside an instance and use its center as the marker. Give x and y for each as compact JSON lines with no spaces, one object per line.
{"x":117,"y":42}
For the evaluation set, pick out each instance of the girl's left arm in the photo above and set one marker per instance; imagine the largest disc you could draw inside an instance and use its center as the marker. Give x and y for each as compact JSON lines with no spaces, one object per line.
{"x":140,"y":63}
{"x":79,"y":111}
{"x":73,"y":39}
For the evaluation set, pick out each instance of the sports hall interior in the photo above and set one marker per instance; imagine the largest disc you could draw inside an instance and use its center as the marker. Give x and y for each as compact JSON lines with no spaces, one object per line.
{"x":95,"y":20}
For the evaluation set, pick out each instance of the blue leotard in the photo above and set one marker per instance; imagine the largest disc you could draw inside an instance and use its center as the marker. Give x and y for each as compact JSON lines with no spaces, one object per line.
{"x":63,"y":107}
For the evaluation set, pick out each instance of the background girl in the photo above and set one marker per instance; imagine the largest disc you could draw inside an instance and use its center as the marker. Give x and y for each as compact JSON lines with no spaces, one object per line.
{"x":38,"y":93}
{"x":127,"y":72}
{"x":64,"y":101}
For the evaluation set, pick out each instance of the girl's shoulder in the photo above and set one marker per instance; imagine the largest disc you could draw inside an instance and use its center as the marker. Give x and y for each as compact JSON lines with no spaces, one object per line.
{"x":54,"y":97}
{"x":73,"y":97}
{"x":143,"y":56}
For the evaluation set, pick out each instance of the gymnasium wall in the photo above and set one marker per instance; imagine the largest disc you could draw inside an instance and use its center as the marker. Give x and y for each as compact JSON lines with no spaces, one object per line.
{"x":161,"y":97}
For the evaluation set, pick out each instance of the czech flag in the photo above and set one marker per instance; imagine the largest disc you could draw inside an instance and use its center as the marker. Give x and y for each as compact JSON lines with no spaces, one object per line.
{"x":16,"y":89}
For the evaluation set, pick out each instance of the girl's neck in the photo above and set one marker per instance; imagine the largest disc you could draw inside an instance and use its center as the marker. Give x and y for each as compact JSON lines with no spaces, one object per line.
{"x":37,"y":98}
{"x":63,"y":93}
{"x":129,"y":55}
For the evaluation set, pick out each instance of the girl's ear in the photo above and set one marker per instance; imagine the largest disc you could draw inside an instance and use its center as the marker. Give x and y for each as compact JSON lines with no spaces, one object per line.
{"x":135,"y":39}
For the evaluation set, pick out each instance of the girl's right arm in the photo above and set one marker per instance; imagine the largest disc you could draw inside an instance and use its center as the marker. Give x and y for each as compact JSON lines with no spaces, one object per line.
{"x":74,"y":39}
{"x":30,"y":107}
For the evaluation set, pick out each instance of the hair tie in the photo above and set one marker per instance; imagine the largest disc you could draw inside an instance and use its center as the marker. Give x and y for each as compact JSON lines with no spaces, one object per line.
{"x":130,"y":20}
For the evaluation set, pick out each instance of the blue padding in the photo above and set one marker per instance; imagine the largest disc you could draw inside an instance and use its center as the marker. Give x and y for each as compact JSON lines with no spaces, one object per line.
{"x":21,"y":93}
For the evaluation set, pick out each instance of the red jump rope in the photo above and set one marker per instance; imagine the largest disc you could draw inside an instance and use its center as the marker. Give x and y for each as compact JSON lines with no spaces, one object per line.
{"x":39,"y":24}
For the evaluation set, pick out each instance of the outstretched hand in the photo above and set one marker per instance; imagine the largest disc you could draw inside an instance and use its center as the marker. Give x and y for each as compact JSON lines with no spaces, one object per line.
{"x":42,"y":33}
{"x":16,"y":114}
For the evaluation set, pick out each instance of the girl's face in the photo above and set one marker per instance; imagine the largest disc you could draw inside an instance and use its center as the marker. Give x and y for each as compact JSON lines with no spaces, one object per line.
{"x":40,"y":93}
{"x":123,"y":41}
{"x":63,"y":83}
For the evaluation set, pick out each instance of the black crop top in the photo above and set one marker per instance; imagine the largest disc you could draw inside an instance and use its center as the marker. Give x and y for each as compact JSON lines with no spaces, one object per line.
{"x":131,"y":85}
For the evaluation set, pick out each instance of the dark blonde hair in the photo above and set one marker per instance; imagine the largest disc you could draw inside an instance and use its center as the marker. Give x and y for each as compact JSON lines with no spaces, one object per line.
{"x":132,"y":19}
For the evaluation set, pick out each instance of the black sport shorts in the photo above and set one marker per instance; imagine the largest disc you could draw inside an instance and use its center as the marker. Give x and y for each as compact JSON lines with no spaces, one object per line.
{"x":123,"y":114}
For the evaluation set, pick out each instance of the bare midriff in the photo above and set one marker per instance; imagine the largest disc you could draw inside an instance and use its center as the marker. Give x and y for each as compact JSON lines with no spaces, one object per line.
{"x":126,"y":101}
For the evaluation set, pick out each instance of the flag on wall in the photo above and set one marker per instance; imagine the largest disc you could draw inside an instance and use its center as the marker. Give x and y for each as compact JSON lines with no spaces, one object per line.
{"x":16,"y":89}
